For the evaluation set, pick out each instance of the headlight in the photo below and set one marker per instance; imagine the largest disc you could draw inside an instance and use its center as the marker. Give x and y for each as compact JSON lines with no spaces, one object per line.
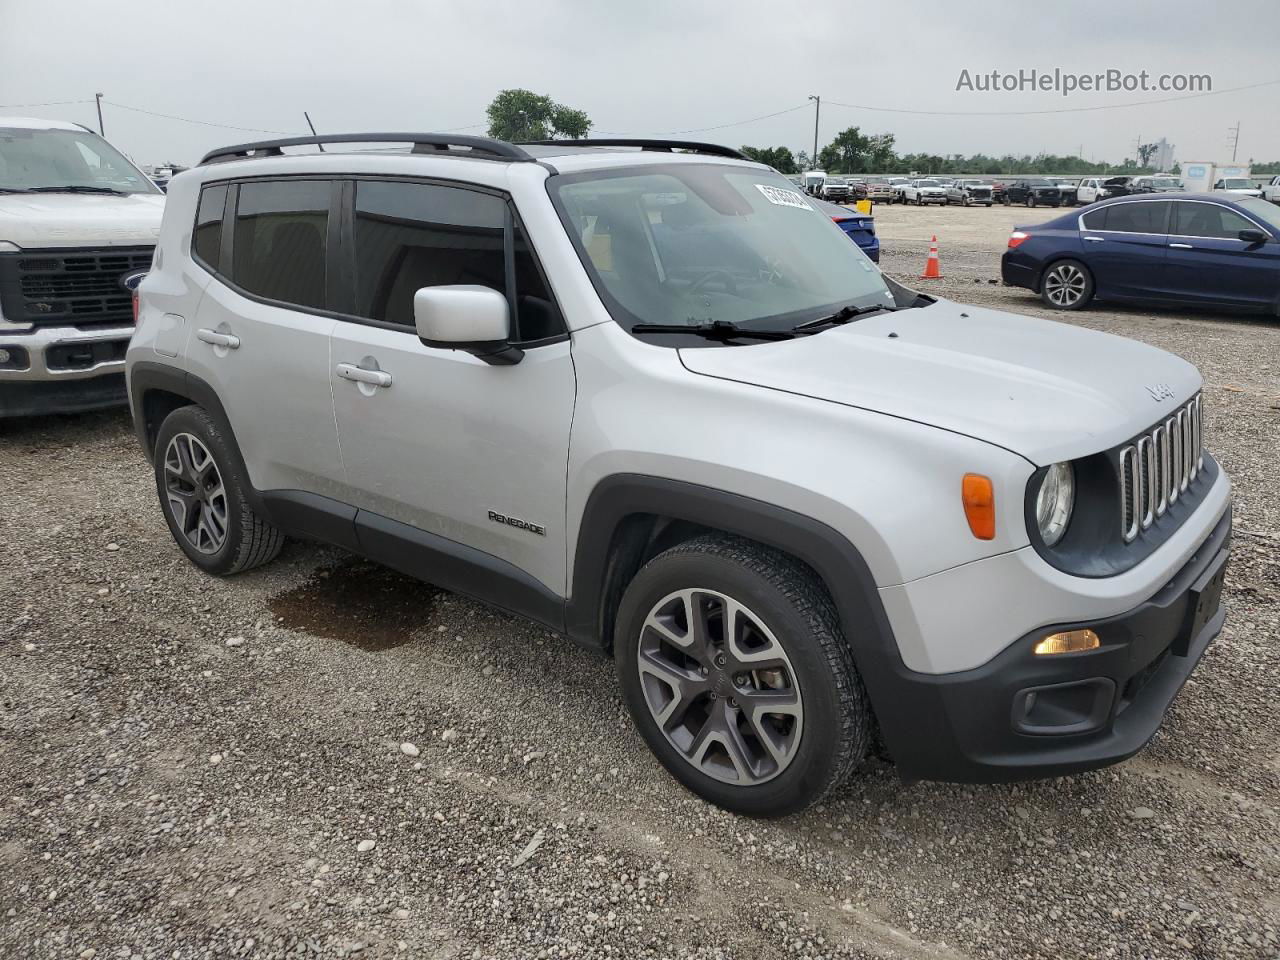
{"x":1054,"y":501}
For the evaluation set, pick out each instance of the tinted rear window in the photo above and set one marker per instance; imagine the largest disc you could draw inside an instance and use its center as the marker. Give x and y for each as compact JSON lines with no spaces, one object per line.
{"x":280,"y":240}
{"x":1138,"y":218}
{"x":206,"y":238}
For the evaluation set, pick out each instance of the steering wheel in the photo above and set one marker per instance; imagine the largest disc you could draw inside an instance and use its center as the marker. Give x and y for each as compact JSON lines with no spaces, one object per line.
{"x":730,"y":284}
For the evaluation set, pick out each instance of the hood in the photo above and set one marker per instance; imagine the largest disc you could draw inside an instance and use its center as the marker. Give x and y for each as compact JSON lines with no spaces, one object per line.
{"x":40,"y":220}
{"x":1046,"y":390}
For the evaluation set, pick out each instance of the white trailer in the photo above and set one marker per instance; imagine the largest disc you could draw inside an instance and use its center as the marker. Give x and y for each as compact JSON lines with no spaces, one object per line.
{"x":1199,"y":177}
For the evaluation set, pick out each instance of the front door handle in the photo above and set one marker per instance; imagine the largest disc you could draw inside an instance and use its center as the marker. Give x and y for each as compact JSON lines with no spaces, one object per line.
{"x":349,"y":371}
{"x":1181,"y":246}
{"x":1095,"y":239}
{"x":230,"y":341}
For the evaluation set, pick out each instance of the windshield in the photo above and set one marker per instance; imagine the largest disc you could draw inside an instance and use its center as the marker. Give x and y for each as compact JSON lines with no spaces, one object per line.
{"x":927,"y":183}
{"x":1237,"y":184}
{"x":1039,"y":183}
{"x":1268,"y":213}
{"x":696,"y":244}
{"x":58,"y":159}
{"x":1166,"y":182}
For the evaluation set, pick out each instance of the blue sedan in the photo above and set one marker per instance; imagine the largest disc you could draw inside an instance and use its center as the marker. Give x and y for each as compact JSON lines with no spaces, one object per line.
{"x":1203,"y":250}
{"x":860,"y":227}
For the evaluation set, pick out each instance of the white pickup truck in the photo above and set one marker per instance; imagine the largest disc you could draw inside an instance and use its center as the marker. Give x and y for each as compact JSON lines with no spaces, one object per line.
{"x":1271,"y":189}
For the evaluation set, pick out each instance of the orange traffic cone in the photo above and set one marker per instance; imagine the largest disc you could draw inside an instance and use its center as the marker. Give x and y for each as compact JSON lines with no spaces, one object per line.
{"x":931,"y":271}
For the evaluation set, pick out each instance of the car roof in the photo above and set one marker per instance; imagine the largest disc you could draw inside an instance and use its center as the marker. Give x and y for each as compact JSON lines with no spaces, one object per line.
{"x":35,"y":123}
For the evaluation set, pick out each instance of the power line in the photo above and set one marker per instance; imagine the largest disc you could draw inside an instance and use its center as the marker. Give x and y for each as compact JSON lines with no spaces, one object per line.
{"x":48,"y":103}
{"x":203,"y":123}
{"x":1028,"y":113}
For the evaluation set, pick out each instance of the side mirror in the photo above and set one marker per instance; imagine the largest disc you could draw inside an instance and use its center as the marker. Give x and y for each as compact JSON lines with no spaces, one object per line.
{"x":1252,"y":235}
{"x":466,"y":317}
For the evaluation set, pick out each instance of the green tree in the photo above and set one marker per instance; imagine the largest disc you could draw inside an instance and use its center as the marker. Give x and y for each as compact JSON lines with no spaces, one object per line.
{"x":779,"y":158}
{"x":524,"y":115}
{"x":847,"y":153}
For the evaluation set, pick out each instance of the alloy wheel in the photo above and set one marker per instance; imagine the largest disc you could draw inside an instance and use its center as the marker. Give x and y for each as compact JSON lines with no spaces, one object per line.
{"x":720,"y":686}
{"x":1064,"y":285}
{"x":195,"y":492}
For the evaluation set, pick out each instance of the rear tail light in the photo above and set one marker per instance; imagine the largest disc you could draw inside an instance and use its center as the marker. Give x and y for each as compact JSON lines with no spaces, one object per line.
{"x":1016,"y":238}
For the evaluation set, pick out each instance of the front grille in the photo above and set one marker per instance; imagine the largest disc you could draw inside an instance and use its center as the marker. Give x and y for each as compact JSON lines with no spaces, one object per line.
{"x":1158,"y":467}
{"x":74,"y":287}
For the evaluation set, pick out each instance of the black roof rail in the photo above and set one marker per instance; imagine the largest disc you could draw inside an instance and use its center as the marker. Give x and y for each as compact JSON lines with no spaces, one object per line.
{"x":480,"y":147}
{"x":664,"y":146}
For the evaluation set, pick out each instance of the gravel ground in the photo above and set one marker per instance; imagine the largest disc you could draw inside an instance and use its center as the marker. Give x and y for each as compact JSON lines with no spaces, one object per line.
{"x":324,"y":759}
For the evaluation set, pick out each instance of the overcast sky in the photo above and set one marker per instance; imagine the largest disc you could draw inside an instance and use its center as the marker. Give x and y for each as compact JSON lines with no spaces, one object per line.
{"x":644,"y":68}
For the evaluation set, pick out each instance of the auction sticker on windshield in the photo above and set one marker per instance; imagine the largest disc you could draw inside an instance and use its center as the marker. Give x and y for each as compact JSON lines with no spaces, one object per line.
{"x":783,"y":197}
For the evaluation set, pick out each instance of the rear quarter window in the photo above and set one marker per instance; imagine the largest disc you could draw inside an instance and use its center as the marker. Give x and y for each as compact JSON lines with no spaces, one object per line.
{"x":206,"y":237}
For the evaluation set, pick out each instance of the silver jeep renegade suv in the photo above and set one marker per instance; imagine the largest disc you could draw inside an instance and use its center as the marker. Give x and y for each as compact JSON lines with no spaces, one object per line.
{"x":645,"y":394}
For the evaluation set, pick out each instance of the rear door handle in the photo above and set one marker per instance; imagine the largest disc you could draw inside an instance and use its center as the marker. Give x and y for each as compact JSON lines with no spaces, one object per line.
{"x":230,"y":341}
{"x":1182,"y":246}
{"x":349,"y":371}
{"x":1095,"y":239}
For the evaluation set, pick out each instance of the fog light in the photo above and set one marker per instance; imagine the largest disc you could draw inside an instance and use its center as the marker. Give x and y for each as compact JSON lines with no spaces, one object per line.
{"x":1069,"y":641}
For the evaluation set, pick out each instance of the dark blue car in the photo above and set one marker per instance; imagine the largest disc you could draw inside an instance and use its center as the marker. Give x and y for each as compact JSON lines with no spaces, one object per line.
{"x":1182,"y":250}
{"x":861,"y":227}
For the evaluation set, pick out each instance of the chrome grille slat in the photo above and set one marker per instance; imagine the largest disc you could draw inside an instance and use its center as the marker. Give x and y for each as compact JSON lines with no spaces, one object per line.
{"x":1158,"y":467}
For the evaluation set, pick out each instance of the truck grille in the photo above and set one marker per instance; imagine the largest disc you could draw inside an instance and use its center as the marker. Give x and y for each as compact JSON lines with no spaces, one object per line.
{"x":1157,"y":469}
{"x":72,"y":287}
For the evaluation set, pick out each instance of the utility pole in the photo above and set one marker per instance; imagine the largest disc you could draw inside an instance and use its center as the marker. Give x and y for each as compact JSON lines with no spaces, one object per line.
{"x":1235,"y":139}
{"x":98,"y":97}
{"x":817,"y":107}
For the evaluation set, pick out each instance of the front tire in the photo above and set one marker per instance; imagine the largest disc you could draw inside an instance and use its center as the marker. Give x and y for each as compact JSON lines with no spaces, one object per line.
{"x":735,"y":671}
{"x":202,"y":496}
{"x":1066,"y":285}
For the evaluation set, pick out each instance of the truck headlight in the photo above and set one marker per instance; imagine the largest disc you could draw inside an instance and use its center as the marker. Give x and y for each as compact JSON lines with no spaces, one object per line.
{"x":1054,"y":501}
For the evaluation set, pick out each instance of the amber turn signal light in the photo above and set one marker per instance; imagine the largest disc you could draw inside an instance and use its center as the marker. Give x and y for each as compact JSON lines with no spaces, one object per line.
{"x":979,"y":505}
{"x":1069,"y":641}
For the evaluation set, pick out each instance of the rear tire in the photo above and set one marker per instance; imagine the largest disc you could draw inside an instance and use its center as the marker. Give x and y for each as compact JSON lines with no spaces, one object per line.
{"x":202,"y":496}
{"x":1066,"y":285}
{"x":761,"y":740}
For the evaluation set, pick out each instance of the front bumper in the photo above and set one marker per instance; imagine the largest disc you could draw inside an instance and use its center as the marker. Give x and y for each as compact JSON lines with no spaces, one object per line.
{"x":1090,"y":709}
{"x":61,"y":369}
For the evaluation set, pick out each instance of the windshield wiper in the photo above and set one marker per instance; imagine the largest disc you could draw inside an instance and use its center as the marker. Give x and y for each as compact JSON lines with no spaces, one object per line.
{"x":715,"y":330}
{"x":843,"y":315}
{"x":15,"y":189}
{"x":78,"y":188}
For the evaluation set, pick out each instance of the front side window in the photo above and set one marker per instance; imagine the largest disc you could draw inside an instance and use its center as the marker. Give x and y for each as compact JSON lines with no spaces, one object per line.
{"x":694,"y":244}
{"x":1210,"y":220}
{"x":281,"y":231}
{"x":206,"y":238}
{"x":1144,"y":217}
{"x":413,"y":235}
{"x":65,"y":161}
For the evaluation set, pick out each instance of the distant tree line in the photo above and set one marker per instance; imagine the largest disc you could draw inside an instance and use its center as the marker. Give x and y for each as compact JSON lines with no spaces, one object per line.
{"x":854,"y":152}
{"x":524,"y":115}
